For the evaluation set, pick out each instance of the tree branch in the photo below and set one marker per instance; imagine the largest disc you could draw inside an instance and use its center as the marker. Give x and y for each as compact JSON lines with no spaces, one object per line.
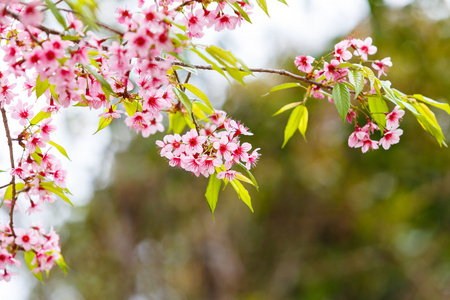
{"x":259,"y":70}
{"x":41,"y":27}
{"x":13,"y":180}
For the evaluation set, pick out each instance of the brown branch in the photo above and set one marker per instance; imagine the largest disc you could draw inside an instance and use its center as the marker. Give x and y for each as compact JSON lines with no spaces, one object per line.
{"x":105,"y":26}
{"x":41,"y":27}
{"x":13,"y":180}
{"x":3,"y":186}
{"x":258,"y":70}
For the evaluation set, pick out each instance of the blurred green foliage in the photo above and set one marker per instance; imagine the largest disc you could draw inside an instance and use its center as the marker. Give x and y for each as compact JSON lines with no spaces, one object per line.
{"x":329,"y":222}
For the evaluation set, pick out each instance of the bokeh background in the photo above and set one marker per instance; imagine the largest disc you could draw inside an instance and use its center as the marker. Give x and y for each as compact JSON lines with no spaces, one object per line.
{"x":329,"y":221}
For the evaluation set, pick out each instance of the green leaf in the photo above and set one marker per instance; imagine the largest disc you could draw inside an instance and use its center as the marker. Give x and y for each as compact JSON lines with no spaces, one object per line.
{"x":241,"y":12}
{"x":197,"y":92}
{"x":214,"y":66}
{"x":184,"y":99}
{"x":367,"y":72}
{"x":286,"y":107}
{"x":303,"y":121}
{"x":199,"y":106}
{"x":428,"y":121}
{"x":212,"y":192}
{"x":54,"y":94}
{"x":177,"y":122}
{"x":341,"y":97}
{"x":357,"y":79}
{"x":56,"y":13}
{"x":41,"y":86}
{"x":62,"y":264}
{"x":103,"y":123}
{"x":40,"y":116}
{"x":105,"y":85}
{"x":53,"y":188}
{"x":227,"y":56}
{"x":378,"y":108}
{"x":8,"y":193}
{"x":132,"y":107}
{"x":252,"y":178}
{"x":60,"y":149}
{"x":283,"y":87}
{"x":263,"y":5}
{"x":187,"y":69}
{"x":292,"y":124}
{"x":282,"y":1}
{"x":70,"y":38}
{"x":443,"y":106}
{"x":242,"y":193}
{"x":29,"y":257}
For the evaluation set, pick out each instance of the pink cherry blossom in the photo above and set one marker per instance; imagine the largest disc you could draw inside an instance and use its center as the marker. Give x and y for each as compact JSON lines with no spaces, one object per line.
{"x":304,"y":63}
{"x":230,"y":175}
{"x":390,"y":137}
{"x":340,"y":51}
{"x":393,"y":118}
{"x":365,"y":48}
{"x":26,"y":239}
{"x":382,"y":66}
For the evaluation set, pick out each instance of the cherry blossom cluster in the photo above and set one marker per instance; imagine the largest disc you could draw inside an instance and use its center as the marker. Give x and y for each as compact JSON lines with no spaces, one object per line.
{"x":326,"y":74}
{"x":216,"y":145}
{"x":361,"y":137}
{"x":43,"y":247}
{"x":331,"y":72}
{"x":197,"y":15}
{"x":75,"y":67}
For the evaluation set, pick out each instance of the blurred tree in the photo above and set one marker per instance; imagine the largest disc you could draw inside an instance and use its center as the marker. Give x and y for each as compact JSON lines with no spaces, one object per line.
{"x":329,"y":222}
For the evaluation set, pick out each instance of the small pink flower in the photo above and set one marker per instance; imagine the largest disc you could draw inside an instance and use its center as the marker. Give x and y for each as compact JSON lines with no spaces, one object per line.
{"x":304,"y":63}
{"x":382,"y":66}
{"x":393,"y":118}
{"x":26,"y":239}
{"x":365,"y":48}
{"x":390,"y":138}
{"x":230,"y":175}
{"x":340,"y":51}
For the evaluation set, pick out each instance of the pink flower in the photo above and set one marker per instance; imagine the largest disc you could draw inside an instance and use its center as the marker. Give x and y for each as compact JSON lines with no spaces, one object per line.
{"x":368,"y":144}
{"x":223,"y":21}
{"x":26,"y":239}
{"x":224,"y":148}
{"x":382,"y":66}
{"x":304,"y":63}
{"x":390,"y":137}
{"x":340,"y":51}
{"x":31,"y":14}
{"x":365,"y":48}
{"x":332,"y":70}
{"x":139,"y":42}
{"x":253,"y":159}
{"x":351,"y":115}
{"x":75,"y":24}
{"x":194,"y":142}
{"x":230,"y":175}
{"x":6,"y":276}
{"x":393,"y":118}
{"x":22,"y":112}
{"x":195,"y":23}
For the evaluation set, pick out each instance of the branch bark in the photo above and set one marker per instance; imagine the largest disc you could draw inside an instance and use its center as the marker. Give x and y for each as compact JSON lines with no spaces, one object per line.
{"x":13,"y":180}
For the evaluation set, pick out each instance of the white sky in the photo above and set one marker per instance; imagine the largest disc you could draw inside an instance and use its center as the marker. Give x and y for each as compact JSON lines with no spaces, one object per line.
{"x":307,"y":26}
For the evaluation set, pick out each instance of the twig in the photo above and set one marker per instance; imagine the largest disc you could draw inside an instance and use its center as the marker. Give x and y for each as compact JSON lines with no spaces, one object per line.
{"x":258,"y":70}
{"x":107,"y":27}
{"x":41,"y":27}
{"x":13,"y":181}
